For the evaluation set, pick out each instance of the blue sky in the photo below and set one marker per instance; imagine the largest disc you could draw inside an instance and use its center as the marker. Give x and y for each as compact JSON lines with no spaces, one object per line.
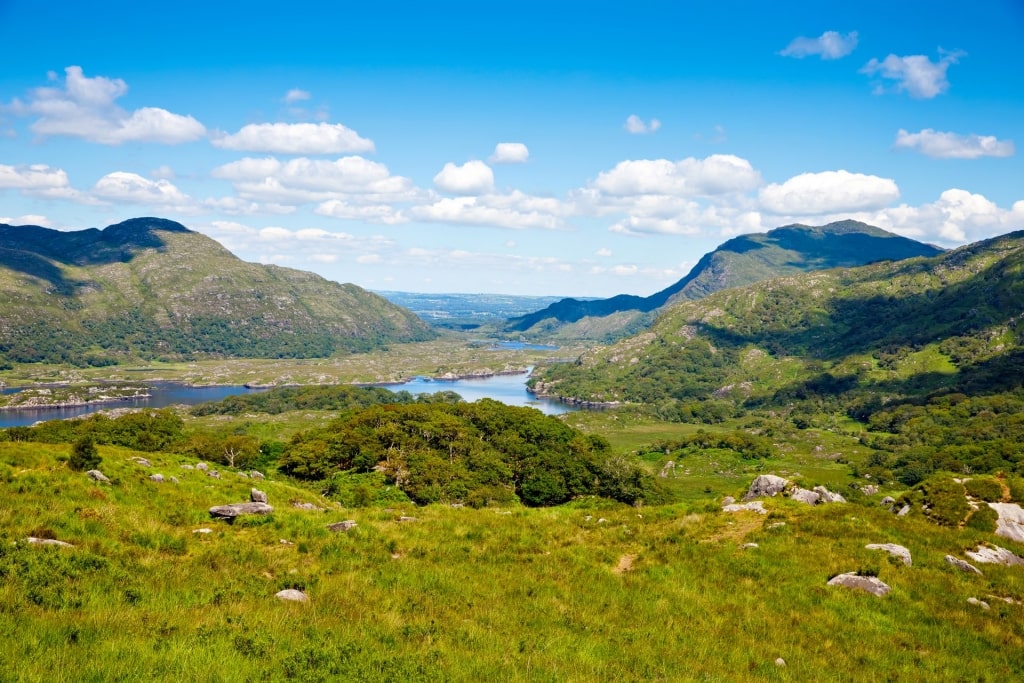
{"x":561,"y":148}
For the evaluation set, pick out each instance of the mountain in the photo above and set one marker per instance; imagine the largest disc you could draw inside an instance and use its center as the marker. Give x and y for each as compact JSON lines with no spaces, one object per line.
{"x":740,"y":261}
{"x":150,"y":288}
{"x":846,"y":337}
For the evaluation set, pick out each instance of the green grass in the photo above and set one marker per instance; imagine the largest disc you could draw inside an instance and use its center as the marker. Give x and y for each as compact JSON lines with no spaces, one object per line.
{"x":466,"y":595}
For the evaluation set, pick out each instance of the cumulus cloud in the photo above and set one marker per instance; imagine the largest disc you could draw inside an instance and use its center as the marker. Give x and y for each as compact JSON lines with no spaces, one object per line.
{"x":472,"y":178}
{"x":86,"y":108}
{"x":956,"y":217}
{"x":716,"y":174}
{"x":509,"y":153}
{"x":941,"y":145}
{"x":296,"y":95}
{"x":635,"y":125}
{"x":27,"y":219}
{"x":829,"y":45}
{"x":828,"y":192}
{"x":295,"y":138}
{"x":131,"y":188}
{"x":604,"y":252}
{"x":915,"y":75}
{"x":40,"y":180}
{"x":513,"y":211}
{"x":375,"y":213}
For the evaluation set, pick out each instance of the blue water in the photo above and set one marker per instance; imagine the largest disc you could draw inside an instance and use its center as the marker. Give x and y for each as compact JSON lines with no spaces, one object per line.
{"x":509,"y":389}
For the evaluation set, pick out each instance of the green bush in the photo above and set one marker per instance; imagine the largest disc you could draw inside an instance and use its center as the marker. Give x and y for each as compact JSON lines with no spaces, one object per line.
{"x":944,"y":500}
{"x":984,"y":488}
{"x":84,"y":455}
{"x":983,"y":519}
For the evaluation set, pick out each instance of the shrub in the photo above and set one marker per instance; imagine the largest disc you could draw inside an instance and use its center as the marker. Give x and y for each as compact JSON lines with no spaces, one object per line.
{"x":944,"y":500}
{"x":84,"y":455}
{"x":984,"y":488}
{"x":983,"y":519}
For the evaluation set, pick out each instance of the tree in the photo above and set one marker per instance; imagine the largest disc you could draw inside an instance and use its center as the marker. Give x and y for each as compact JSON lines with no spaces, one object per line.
{"x":84,"y":455}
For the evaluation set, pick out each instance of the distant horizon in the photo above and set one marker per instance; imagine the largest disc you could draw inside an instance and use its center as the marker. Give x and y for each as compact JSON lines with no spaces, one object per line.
{"x":522,"y":150}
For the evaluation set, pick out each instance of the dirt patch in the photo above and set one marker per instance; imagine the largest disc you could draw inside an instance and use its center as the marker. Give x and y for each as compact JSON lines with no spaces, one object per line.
{"x":625,"y":564}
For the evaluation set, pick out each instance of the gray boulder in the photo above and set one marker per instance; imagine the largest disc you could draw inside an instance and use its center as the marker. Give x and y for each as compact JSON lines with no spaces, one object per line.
{"x":804,"y":496}
{"x":257,"y":496}
{"x":202,"y":466}
{"x":48,"y":541}
{"x":869,"y":489}
{"x":994,"y":555}
{"x":305,"y":506}
{"x":752,"y":506}
{"x":292,"y":595}
{"x":962,"y":566}
{"x":143,"y":462}
{"x":978,"y":603}
{"x":1011,"y":521}
{"x":904,"y":511}
{"x":256,"y":474}
{"x":158,"y":478}
{"x":97,"y":476}
{"x":237,"y":509}
{"x":894,"y":550}
{"x":766,"y":485}
{"x":828,"y":496}
{"x":213,"y":473}
{"x":728,"y":500}
{"x":342,"y":526}
{"x":870,"y":584}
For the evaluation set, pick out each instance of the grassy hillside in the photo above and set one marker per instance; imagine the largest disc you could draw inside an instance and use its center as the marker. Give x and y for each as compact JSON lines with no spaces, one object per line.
{"x":742,"y":260}
{"x":150,"y":288}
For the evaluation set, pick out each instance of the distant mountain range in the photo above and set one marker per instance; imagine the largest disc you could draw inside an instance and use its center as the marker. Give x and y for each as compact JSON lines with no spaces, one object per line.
{"x":740,"y":261}
{"x":150,"y":288}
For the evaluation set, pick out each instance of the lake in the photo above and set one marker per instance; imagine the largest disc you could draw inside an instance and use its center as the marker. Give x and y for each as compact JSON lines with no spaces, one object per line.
{"x":509,"y":389}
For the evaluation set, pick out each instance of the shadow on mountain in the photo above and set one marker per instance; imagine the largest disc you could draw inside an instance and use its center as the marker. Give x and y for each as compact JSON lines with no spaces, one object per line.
{"x":40,"y":252}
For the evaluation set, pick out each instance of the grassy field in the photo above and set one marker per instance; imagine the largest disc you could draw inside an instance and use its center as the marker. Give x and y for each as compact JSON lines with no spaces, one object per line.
{"x":590,"y":591}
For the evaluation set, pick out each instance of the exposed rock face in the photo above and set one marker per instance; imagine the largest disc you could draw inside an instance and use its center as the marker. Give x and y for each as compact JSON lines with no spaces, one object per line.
{"x":292,"y":595}
{"x":766,"y":485}
{"x":1011,"y":521}
{"x":869,"y":489}
{"x":257,"y":496}
{"x":994,"y":555}
{"x":97,"y":476}
{"x":853,"y":580}
{"x":961,"y":565}
{"x":752,"y":506}
{"x":236,"y":509}
{"x":828,"y":496}
{"x":894,"y":550}
{"x":342,"y":526}
{"x":804,"y":496}
{"x":48,"y":541}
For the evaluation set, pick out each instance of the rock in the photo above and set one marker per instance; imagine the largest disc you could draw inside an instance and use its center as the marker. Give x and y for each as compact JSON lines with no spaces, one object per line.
{"x":285,"y":541}
{"x":204,"y":530}
{"x":994,"y":555}
{"x":237,"y":509}
{"x":158,"y":478}
{"x":243,"y":475}
{"x":48,"y":541}
{"x":869,"y":489}
{"x":405,"y":518}
{"x":256,"y":474}
{"x":888,"y":502}
{"x":342,"y":526}
{"x":894,"y":550}
{"x":213,"y":473}
{"x":187,"y":467}
{"x":749,"y":545}
{"x":143,"y":462}
{"x":173,"y":480}
{"x":601,"y":520}
{"x":670,"y":467}
{"x":752,"y":506}
{"x":804,"y":496}
{"x":202,"y":466}
{"x":980,"y":603}
{"x":828,"y":496}
{"x":766,"y":485}
{"x":97,"y":476}
{"x":292,"y":595}
{"x":1011,"y":521}
{"x":728,"y":500}
{"x":904,"y":511}
{"x":871,"y":584}
{"x":305,"y":506}
{"x":257,"y":496}
{"x":961,"y":565}
{"x":780,"y":662}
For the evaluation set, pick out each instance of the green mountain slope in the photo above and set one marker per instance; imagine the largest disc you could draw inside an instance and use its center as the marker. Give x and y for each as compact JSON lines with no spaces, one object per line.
{"x":150,"y":287}
{"x":740,"y":261}
{"x":877,"y":333}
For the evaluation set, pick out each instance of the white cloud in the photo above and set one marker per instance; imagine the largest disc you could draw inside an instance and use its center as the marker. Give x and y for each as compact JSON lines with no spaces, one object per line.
{"x":40,"y":180}
{"x":916,"y":75}
{"x":604,"y":251}
{"x":130,"y":188}
{"x":515,"y":210}
{"x":163,"y":172}
{"x":296,"y":95}
{"x":957,"y":217}
{"x":635,"y":125}
{"x":28,"y":219}
{"x":941,"y":145}
{"x":716,"y":174}
{"x":829,"y":45}
{"x":510,"y":153}
{"x":85,"y":108}
{"x":375,"y":213}
{"x":472,"y":178}
{"x":295,"y":138}
{"x":828,"y":192}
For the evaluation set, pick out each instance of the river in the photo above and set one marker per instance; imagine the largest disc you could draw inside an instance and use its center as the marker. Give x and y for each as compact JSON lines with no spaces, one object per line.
{"x":509,"y":389}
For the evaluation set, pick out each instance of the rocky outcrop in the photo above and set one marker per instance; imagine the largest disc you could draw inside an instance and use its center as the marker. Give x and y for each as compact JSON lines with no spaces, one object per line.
{"x":238,"y":509}
{"x":994,"y":555}
{"x":257,"y":496}
{"x":97,"y":476}
{"x":347,"y":525}
{"x":291,"y":595}
{"x":1011,"y":521}
{"x":826,"y":496}
{"x":804,"y":496}
{"x":894,"y":550}
{"x":869,"y":584}
{"x":766,"y":485}
{"x":966,"y":567}
{"x":752,"y":506}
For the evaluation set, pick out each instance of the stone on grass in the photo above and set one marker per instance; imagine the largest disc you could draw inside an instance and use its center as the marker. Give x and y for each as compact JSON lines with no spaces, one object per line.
{"x":888,"y":502}
{"x":173,"y":480}
{"x":979,"y":603}
{"x":961,"y":565}
{"x":213,"y":473}
{"x":745,"y":546}
{"x":292,"y":595}
{"x":187,"y":467}
{"x":238,"y":509}
{"x":894,"y":550}
{"x":804,"y":496}
{"x":342,"y":526}
{"x":766,"y":485}
{"x":256,"y":474}
{"x":994,"y":555}
{"x":728,"y":500}
{"x":1011,"y":521}
{"x":780,"y":662}
{"x":158,"y":478}
{"x":143,"y":462}
{"x":406,"y":518}
{"x":869,"y":489}
{"x":204,"y":530}
{"x":828,"y":496}
{"x":48,"y":541}
{"x":98,"y":476}
{"x":305,"y":506}
{"x":870,"y":584}
{"x":257,"y":496}
{"x":903,"y":511}
{"x":202,"y":466}
{"x":752,"y":506}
